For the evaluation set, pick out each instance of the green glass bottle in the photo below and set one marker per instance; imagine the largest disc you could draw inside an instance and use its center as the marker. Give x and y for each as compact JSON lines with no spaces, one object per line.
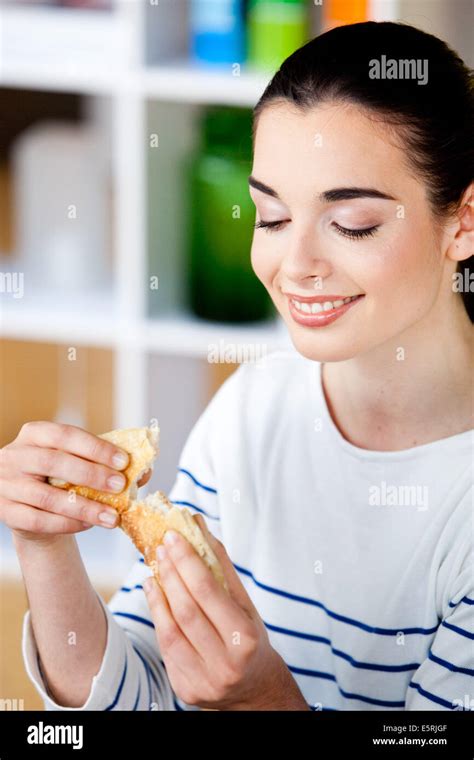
{"x":275,"y":29}
{"x":222,"y":285}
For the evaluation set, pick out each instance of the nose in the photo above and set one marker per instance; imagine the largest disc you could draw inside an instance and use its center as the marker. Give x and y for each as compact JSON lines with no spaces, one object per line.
{"x":302,"y":259}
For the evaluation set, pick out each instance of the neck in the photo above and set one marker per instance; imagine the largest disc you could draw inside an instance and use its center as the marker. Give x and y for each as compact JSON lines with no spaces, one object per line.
{"x":413,"y":389}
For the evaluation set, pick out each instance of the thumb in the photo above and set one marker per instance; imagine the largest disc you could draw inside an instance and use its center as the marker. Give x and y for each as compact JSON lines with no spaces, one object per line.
{"x":236,"y":588}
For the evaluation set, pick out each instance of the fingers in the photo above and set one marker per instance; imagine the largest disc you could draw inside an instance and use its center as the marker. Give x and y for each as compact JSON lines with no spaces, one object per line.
{"x":187,"y":613}
{"x":172,"y":643}
{"x":74,"y":440}
{"x":22,"y":517}
{"x":44,"y":497}
{"x":72,"y":469}
{"x":236,"y":588}
{"x":213,"y":600}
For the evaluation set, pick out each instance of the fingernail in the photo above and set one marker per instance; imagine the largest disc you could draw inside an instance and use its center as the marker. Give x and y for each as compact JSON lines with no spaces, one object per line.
{"x":108,"y":517}
{"x":120,"y":459}
{"x":171,"y":537}
{"x":116,"y":482}
{"x":161,"y":552}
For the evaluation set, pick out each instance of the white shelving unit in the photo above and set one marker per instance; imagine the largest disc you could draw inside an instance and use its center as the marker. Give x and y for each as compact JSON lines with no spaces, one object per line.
{"x":135,"y":59}
{"x":130,"y":58}
{"x":109,"y":59}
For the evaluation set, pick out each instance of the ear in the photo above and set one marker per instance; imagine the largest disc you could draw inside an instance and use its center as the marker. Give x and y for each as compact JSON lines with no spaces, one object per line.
{"x":462,"y":246}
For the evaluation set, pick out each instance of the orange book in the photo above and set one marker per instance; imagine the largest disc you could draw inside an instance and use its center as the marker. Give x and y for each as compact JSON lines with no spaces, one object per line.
{"x":340,"y":12}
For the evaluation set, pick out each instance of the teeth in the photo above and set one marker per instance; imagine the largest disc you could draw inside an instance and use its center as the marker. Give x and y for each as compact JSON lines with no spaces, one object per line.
{"x":317,"y":307}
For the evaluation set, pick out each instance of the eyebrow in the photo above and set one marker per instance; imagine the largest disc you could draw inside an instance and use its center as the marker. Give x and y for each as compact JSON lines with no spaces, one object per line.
{"x":329,"y":196}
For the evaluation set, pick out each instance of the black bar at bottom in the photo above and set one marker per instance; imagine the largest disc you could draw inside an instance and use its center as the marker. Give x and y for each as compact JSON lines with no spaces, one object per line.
{"x":424,"y":734}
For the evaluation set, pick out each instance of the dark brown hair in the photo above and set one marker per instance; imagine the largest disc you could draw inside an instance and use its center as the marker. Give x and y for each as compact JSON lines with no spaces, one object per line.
{"x":434,"y":119}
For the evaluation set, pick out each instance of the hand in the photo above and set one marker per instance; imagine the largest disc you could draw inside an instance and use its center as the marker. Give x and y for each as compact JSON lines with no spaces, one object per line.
{"x":37,"y":511}
{"x":214,"y":645}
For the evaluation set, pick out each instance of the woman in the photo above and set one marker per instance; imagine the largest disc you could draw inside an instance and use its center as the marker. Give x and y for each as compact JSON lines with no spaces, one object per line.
{"x":337,"y":477}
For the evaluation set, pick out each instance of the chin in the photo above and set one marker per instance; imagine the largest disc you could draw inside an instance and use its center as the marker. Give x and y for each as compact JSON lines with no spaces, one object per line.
{"x":319,"y":349}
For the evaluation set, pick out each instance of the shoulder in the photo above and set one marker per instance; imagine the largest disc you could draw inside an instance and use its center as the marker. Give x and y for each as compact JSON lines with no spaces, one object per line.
{"x":259,"y":400}
{"x":273,"y":373}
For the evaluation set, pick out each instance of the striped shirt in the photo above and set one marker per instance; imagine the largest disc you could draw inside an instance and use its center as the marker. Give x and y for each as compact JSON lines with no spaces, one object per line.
{"x":359,"y":562}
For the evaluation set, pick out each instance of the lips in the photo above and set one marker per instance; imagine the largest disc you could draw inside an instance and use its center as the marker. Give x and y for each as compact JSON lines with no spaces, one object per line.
{"x":318,"y":311}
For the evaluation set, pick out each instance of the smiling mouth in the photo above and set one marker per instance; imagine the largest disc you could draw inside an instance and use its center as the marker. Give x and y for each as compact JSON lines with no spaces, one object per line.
{"x":320,"y":311}
{"x":321,"y":305}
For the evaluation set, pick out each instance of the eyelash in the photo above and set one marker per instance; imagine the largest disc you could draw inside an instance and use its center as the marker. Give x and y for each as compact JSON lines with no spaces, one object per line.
{"x":345,"y":231}
{"x":268,"y":226}
{"x":356,"y":234}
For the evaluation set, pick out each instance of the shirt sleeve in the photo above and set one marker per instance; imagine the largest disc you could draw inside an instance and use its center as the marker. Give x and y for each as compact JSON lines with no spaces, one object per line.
{"x":445,"y":679}
{"x":132,"y":675}
{"x":127,"y":680}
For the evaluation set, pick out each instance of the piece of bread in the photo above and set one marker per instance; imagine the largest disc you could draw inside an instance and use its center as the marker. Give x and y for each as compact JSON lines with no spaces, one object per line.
{"x":146,"y":522}
{"x":142,"y":445}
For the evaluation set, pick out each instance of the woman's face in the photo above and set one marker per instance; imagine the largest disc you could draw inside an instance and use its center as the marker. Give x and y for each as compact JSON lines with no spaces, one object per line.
{"x":313,"y":250}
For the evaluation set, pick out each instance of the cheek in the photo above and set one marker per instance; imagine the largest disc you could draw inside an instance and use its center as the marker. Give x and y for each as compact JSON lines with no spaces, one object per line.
{"x":402,"y":271}
{"x":264,"y":262}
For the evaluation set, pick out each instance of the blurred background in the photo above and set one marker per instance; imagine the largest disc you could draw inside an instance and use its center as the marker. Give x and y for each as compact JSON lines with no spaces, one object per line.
{"x":126,"y":223}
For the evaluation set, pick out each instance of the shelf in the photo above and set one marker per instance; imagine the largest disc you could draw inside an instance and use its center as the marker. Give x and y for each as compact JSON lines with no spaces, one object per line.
{"x":189,"y":336}
{"x":47,"y":78}
{"x":55,"y":318}
{"x":184,"y":81}
{"x":93,"y":320}
{"x":179,"y":82}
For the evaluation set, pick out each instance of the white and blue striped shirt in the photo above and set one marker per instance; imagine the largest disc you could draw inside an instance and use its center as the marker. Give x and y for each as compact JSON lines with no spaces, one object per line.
{"x":359,"y":562}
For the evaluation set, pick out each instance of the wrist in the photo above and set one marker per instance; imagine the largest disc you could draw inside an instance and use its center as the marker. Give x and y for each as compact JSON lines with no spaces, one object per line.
{"x":40,"y":542}
{"x":286,"y":694}
{"x":277,"y":691}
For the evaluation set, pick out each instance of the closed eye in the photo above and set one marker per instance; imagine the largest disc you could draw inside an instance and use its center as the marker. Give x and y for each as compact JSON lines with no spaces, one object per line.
{"x":355,"y":234}
{"x":269,"y":226}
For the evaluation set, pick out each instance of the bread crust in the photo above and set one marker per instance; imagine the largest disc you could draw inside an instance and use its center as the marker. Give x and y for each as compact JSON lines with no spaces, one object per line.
{"x":145,"y":522}
{"x":142,"y":445}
